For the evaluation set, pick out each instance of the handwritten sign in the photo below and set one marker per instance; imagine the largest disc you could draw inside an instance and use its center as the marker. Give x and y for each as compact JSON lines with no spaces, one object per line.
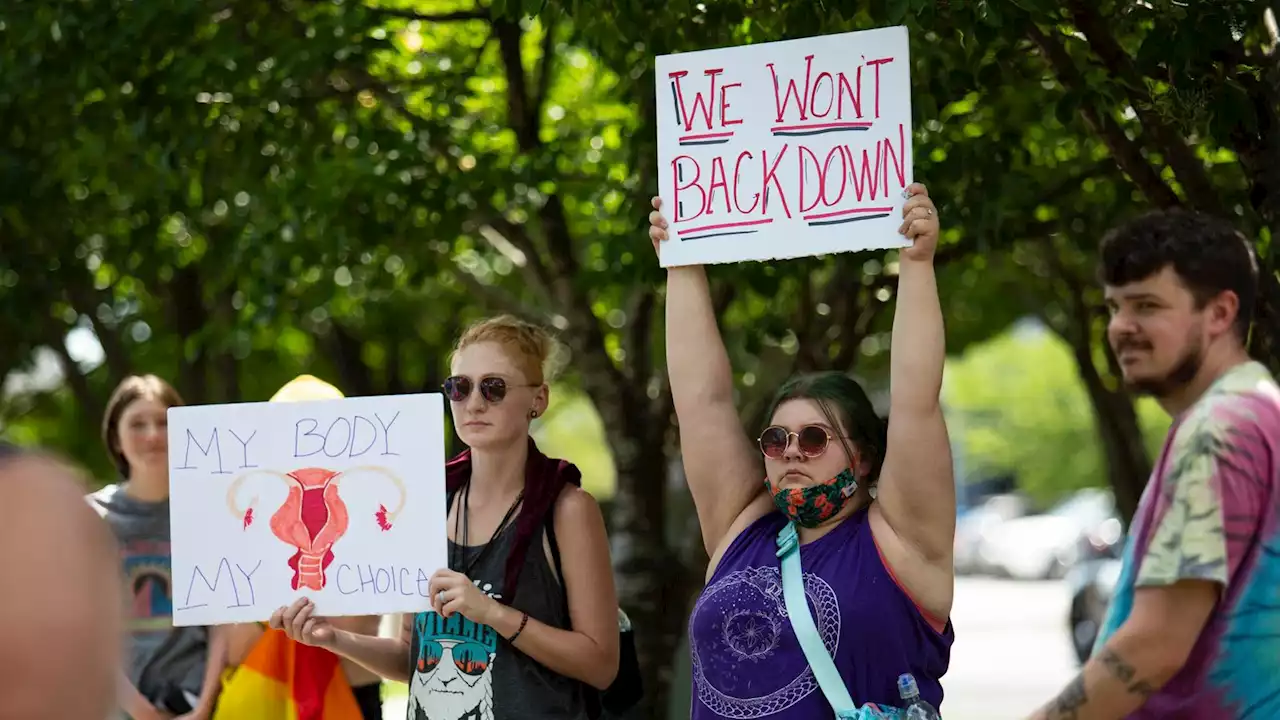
{"x":338,"y":500}
{"x":785,"y":149}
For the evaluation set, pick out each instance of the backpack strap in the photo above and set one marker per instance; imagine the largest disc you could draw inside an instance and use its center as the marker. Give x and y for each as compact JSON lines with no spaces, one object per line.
{"x":550,"y":529}
{"x":824,"y":668}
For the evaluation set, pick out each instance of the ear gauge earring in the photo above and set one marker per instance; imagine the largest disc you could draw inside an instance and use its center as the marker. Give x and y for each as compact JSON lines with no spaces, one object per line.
{"x":533,"y":414}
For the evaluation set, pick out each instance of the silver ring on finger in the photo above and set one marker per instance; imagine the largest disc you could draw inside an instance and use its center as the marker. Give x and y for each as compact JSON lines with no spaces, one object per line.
{"x":440,"y":597}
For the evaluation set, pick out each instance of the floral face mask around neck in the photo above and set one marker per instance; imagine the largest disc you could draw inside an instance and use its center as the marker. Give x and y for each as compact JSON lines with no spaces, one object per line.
{"x":815,"y":504}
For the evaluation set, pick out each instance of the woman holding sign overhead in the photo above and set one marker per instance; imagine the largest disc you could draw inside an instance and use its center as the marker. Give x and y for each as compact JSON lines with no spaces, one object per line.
{"x":169,"y":671}
{"x":509,"y":635}
{"x":830,"y":538}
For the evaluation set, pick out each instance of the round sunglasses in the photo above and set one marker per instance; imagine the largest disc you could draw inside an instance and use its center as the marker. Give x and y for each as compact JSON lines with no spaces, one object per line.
{"x":812,"y":441}
{"x":492,"y":388}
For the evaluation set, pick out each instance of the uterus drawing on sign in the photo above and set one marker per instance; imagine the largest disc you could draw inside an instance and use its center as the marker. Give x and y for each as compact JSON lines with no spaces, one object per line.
{"x":313,"y":517}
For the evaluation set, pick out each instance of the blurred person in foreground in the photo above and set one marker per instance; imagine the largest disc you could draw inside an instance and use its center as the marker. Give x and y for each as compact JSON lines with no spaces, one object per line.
{"x":509,"y":636}
{"x":1194,"y":628}
{"x":61,"y":630}
{"x":271,"y":677}
{"x":171,"y":671}
{"x":874,"y":508}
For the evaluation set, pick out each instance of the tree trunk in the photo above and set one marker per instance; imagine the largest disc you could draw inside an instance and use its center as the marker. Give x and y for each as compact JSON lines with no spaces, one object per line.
{"x":652,"y":583}
{"x":355,"y":378}
{"x":1125,"y":451}
{"x":89,"y":406}
{"x":1128,"y":466}
{"x":226,"y":366}
{"x":190,"y":317}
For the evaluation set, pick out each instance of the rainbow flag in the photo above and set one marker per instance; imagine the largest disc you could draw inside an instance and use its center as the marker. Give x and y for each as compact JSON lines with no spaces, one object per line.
{"x":285,"y":680}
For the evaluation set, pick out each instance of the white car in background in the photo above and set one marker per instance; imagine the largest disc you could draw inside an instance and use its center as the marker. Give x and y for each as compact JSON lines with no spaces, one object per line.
{"x":1047,"y":545}
{"x":973,"y":526}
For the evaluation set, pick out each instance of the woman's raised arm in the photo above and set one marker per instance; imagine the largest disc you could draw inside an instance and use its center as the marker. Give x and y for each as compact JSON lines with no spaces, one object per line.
{"x":917,"y":489}
{"x":723,"y":469}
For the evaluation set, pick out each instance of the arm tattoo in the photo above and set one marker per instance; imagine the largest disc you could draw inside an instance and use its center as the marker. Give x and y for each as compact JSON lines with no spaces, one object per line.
{"x":1068,"y":703}
{"x":1124,"y":672}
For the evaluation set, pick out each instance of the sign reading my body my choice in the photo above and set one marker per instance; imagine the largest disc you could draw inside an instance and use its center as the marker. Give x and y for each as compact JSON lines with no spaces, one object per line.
{"x":338,"y":500}
{"x":785,"y":149}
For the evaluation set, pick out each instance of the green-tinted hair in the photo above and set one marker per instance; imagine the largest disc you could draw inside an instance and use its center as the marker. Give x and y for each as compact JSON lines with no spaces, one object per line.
{"x":845,"y":405}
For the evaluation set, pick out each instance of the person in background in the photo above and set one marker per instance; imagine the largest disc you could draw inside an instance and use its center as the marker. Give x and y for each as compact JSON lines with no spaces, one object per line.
{"x":508,"y":637}
{"x":275,"y":678}
{"x":874,"y":508}
{"x":1192,"y":630}
{"x":61,"y":629}
{"x":170,"y":671}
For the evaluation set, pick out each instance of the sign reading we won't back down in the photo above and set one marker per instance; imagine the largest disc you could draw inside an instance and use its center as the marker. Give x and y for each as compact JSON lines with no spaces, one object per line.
{"x":785,"y":149}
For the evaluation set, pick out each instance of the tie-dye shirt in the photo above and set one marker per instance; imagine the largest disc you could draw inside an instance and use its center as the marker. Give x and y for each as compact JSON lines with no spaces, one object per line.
{"x":1212,"y":512}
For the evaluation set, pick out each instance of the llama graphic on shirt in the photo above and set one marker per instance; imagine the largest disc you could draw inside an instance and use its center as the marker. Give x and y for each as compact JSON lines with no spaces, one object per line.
{"x":453,"y":671}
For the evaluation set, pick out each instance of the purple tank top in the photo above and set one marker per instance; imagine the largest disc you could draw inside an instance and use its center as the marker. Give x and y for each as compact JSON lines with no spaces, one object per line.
{"x":747,"y":662}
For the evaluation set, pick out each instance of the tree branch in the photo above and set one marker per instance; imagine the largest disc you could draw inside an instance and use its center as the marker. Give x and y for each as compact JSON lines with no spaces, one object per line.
{"x":562,"y":261}
{"x":639,"y":343}
{"x":804,"y":322}
{"x":407,"y":14}
{"x":497,"y":298}
{"x":190,"y":320}
{"x":356,"y":378}
{"x":854,"y":330}
{"x":535,"y":268}
{"x":226,"y":366}
{"x":545,"y":70}
{"x":722,"y":295}
{"x":1189,"y":170}
{"x":518,"y":106}
{"x":1126,"y":152}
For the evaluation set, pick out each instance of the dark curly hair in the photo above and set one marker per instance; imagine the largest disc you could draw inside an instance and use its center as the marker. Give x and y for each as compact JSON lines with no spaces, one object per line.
{"x":1208,"y":254}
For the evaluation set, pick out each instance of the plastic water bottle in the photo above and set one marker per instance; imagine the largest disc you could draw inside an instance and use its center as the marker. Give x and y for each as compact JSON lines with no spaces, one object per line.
{"x":915,"y":707}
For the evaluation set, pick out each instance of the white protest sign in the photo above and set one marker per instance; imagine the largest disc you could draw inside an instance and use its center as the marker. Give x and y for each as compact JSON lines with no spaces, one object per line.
{"x":785,"y":149}
{"x":341,"y":501}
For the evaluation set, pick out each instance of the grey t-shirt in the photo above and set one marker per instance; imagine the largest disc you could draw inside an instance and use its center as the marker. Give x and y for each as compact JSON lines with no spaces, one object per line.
{"x":142,"y":530}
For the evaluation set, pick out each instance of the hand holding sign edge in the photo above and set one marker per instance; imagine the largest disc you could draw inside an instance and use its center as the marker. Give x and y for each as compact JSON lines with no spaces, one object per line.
{"x":919,"y":225}
{"x":452,"y":592}
{"x":657,"y":226}
{"x":300,"y":625}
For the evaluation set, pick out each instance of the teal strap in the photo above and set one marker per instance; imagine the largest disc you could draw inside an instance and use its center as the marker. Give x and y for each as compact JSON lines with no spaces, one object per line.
{"x":824,"y":668}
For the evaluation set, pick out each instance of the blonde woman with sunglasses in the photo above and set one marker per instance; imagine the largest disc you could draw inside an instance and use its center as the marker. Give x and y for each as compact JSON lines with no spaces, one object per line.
{"x":510,"y":635}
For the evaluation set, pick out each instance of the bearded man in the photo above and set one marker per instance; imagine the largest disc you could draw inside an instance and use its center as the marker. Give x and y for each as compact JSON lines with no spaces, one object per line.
{"x":1194,"y":626}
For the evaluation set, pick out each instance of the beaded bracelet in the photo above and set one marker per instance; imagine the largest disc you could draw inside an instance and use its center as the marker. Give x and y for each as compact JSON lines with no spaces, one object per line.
{"x":524,"y":620}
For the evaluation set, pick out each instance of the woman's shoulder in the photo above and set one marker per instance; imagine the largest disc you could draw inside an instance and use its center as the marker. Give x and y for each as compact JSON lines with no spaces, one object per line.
{"x":575,"y":503}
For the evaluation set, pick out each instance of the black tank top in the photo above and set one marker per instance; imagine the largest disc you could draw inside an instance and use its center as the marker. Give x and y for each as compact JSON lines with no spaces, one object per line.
{"x":460,"y":670}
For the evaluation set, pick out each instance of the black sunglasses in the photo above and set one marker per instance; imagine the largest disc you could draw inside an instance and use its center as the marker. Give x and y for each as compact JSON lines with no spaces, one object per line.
{"x":492,"y":388}
{"x":812,"y":441}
